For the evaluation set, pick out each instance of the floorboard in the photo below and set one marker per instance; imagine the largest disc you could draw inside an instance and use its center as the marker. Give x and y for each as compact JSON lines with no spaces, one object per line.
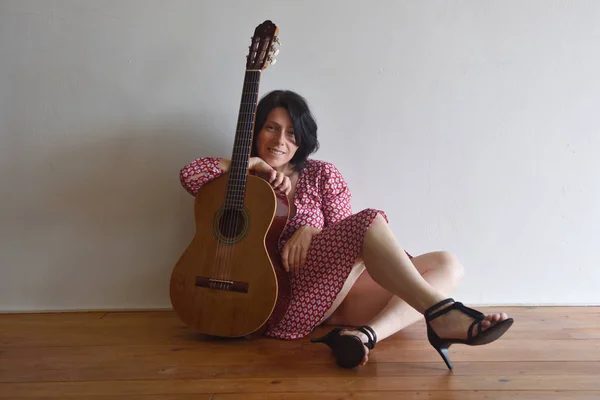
{"x":550,"y":353}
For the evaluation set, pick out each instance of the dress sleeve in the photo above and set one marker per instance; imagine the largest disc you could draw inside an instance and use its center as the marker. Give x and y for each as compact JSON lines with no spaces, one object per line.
{"x":336,"y":195}
{"x":199,"y":172}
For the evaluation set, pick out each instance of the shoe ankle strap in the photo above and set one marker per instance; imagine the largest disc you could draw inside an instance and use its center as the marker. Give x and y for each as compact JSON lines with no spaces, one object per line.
{"x":457,"y":305}
{"x":371,"y":336}
{"x":429,"y":316}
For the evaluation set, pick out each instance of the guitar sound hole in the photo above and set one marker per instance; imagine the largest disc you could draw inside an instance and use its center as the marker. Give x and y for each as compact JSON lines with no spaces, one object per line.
{"x":232,"y":223}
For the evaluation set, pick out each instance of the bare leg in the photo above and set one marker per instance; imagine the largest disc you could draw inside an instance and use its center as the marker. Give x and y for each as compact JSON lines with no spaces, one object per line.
{"x":392,"y":269}
{"x":441,"y":270}
{"x":367,"y":303}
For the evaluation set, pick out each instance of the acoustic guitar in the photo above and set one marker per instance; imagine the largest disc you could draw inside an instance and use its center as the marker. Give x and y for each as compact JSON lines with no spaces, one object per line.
{"x":230,"y":282}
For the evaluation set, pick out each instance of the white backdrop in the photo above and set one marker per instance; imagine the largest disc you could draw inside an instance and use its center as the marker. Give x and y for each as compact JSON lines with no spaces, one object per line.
{"x":473,"y":124}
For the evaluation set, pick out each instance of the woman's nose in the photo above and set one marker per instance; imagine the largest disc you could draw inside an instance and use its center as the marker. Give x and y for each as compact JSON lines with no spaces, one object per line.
{"x":280,"y":137}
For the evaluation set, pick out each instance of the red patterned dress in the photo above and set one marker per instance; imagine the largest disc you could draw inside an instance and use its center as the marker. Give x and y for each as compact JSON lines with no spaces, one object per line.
{"x":322,"y":200}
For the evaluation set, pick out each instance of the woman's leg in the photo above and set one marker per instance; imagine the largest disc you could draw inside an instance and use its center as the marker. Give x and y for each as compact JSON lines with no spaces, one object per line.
{"x":441,"y":270}
{"x":390,"y":267}
{"x":367,"y":303}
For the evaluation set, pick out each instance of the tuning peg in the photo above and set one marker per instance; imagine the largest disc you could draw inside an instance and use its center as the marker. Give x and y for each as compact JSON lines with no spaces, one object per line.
{"x":277,"y":40}
{"x":272,"y":60}
{"x":275,"y":50}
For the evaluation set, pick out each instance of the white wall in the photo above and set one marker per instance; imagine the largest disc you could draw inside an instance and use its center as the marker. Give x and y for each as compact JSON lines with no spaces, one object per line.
{"x":473,"y":124}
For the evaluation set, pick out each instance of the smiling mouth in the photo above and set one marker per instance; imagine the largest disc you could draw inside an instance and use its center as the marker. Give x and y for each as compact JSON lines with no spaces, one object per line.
{"x":276,"y":153}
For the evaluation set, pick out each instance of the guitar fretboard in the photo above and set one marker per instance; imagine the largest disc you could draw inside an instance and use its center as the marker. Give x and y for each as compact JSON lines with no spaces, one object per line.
{"x":238,"y":172}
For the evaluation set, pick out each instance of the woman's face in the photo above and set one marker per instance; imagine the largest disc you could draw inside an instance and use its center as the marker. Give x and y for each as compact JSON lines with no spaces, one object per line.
{"x":276,"y":143}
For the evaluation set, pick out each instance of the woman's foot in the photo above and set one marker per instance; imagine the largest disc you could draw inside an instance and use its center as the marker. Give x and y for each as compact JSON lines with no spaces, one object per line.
{"x":455,"y":324}
{"x":364,"y":339}
{"x":450,"y":322}
{"x":350,"y":347}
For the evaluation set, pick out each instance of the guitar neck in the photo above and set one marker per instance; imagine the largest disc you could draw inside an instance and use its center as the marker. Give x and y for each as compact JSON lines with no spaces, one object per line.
{"x":238,"y":170}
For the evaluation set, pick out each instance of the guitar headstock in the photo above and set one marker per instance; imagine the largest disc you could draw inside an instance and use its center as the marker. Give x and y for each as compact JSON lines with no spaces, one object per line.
{"x":263,"y":49}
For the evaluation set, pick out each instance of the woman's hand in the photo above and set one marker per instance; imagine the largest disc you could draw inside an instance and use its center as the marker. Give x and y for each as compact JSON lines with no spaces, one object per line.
{"x":277,"y":179}
{"x":294,"y":251}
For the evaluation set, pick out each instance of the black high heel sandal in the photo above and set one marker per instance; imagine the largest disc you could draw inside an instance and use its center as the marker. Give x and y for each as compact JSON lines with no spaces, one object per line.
{"x":348,"y":350}
{"x":483,"y":337}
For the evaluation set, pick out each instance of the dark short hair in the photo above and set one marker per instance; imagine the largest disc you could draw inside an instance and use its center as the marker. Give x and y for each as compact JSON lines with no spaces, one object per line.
{"x":305,"y":126}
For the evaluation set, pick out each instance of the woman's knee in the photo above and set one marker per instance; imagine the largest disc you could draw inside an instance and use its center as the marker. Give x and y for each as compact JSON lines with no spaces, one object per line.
{"x":450,"y":263}
{"x":379,"y":219}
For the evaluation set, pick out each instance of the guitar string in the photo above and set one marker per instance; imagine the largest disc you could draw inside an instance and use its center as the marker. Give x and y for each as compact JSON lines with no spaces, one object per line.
{"x":244,"y":140}
{"x":230,"y":208}
{"x":251,"y":108}
{"x":226,"y":223}
{"x":244,"y":136}
{"x":248,"y":108}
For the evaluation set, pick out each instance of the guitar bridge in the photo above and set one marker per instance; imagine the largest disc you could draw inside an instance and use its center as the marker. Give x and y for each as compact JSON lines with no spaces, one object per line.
{"x":221,"y":284}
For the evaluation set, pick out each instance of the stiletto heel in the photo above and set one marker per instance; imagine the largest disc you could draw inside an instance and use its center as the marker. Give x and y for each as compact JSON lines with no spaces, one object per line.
{"x":441,"y":346}
{"x":483,"y":337}
{"x":443,"y":351}
{"x":348,"y":350}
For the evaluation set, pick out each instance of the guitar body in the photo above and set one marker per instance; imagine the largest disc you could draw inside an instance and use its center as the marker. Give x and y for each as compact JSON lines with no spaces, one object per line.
{"x":229,"y":282}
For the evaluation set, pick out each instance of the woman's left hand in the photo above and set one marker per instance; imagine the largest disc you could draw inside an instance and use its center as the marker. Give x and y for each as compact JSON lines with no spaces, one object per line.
{"x":294,"y":251}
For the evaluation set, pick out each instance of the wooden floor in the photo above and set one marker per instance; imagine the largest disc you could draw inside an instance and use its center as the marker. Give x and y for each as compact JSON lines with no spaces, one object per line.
{"x":550,"y":353}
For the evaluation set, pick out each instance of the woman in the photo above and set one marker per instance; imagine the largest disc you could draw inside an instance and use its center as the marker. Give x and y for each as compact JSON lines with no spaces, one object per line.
{"x":346,"y":269}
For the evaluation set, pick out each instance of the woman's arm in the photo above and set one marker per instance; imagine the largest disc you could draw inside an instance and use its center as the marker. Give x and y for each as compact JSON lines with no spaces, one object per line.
{"x":336,"y":195}
{"x":201,"y":171}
